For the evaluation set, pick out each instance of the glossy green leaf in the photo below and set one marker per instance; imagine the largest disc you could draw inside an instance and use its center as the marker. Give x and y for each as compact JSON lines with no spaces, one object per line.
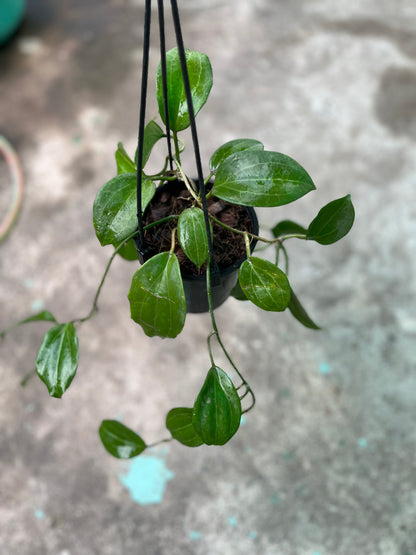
{"x":261,"y":178}
{"x":179,"y":423}
{"x":124,"y":163}
{"x":333,"y":221}
{"x":300,"y":313}
{"x":237,"y":145}
{"x":264,"y":284}
{"x":192,"y":235}
{"x":119,"y":440}
{"x":128,"y":251}
{"x":115,"y":208}
{"x":287,"y":227}
{"x":152,"y":134}
{"x":238,"y":293}
{"x":157,"y":298}
{"x":57,"y":360}
{"x":200,"y":79}
{"x":44,"y":316}
{"x":217,"y":409}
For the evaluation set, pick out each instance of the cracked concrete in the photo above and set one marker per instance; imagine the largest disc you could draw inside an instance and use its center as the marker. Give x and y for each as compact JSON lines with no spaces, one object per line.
{"x":325,"y":463}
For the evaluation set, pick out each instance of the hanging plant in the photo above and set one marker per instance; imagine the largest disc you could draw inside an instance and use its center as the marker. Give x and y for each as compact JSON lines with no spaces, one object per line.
{"x":195,"y":239}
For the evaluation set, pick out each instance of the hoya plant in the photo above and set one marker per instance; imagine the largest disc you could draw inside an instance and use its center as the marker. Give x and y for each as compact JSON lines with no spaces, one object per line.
{"x":195,"y":239}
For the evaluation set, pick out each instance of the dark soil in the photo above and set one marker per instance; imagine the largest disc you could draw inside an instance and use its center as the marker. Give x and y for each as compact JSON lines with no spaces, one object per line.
{"x":173,"y":198}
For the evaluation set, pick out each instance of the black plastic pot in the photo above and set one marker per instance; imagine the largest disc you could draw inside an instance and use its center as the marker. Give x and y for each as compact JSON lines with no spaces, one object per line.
{"x":221,"y":282}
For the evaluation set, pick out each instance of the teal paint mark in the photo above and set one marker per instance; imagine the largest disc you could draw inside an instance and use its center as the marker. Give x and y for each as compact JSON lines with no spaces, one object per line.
{"x":194,"y":536}
{"x":232,"y":521}
{"x":316,"y":553}
{"x":39,"y":514}
{"x":37,"y":305}
{"x":325,"y":368}
{"x":243,"y":420}
{"x":28,"y":283}
{"x":275,"y":499}
{"x":363,"y":443}
{"x":146,"y":479}
{"x":253,"y":535}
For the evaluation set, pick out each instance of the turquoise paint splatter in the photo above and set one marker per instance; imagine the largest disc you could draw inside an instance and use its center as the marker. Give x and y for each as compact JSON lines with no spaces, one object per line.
{"x":194,"y":536}
{"x":146,"y":480}
{"x":243,"y":420}
{"x":275,"y":499}
{"x":28,"y":283}
{"x":39,"y":514}
{"x":232,"y":521}
{"x":362,"y":442}
{"x":325,"y":368}
{"x":253,"y":535}
{"x":316,"y":553}
{"x":37,"y":305}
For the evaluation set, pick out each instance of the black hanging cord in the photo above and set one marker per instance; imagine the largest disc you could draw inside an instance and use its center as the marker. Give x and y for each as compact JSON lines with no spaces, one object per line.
{"x":164,"y":78}
{"x":185,"y":77}
{"x":139,"y":240}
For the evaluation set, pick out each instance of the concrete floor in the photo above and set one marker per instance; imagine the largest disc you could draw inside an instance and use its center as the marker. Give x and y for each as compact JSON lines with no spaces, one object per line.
{"x":325,"y":464}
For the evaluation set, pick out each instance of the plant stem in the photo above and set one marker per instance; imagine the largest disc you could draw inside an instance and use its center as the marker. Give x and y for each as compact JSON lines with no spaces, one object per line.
{"x":206,"y":181}
{"x":221,"y":344}
{"x":176,"y":143}
{"x":187,"y":184}
{"x":94,"y":308}
{"x":156,"y":443}
{"x":28,"y":377}
{"x":172,"y":240}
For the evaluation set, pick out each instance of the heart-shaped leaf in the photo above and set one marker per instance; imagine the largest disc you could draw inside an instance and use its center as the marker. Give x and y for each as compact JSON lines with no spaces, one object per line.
{"x":287,"y":227}
{"x":128,"y":251}
{"x":333,"y":221}
{"x":152,"y":134}
{"x":179,"y":423}
{"x":238,"y":293}
{"x":261,"y":178}
{"x":217,"y":409}
{"x":157,"y":297}
{"x":300,"y":313}
{"x":119,"y":440}
{"x":115,"y":208}
{"x":264,"y":284}
{"x":237,"y":145}
{"x":124,"y":163}
{"x":192,"y":235}
{"x":200,"y":79}
{"x":57,"y":360}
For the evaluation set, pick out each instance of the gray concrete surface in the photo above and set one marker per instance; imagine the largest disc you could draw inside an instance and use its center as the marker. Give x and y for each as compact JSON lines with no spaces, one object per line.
{"x":325,"y":464}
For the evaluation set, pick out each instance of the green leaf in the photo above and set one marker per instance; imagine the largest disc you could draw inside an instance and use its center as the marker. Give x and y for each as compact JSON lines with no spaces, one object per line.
{"x":200,"y":79}
{"x":287,"y":227}
{"x":261,"y":178}
{"x":124,"y":163}
{"x":192,"y":235}
{"x":217,"y":409}
{"x":115,"y":208}
{"x":333,"y":221}
{"x":152,"y":134}
{"x":237,"y":145}
{"x":119,"y":440}
{"x":264,"y":284}
{"x":128,"y":251}
{"x":300,"y":313}
{"x":44,"y":316}
{"x":157,"y":298}
{"x":179,"y":423}
{"x":238,"y":293}
{"x":57,"y":360}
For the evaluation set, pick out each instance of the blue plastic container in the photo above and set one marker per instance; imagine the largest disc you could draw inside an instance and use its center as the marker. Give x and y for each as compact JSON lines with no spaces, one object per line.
{"x":11,"y":15}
